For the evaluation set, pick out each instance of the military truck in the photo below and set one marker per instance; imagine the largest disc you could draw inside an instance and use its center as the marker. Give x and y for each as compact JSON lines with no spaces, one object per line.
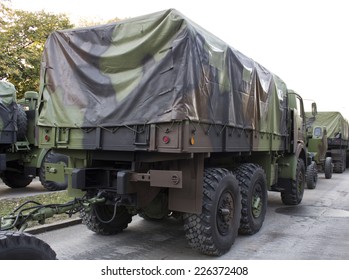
{"x":337,"y":136}
{"x":161,"y":118}
{"x":317,"y":145}
{"x":20,"y":158}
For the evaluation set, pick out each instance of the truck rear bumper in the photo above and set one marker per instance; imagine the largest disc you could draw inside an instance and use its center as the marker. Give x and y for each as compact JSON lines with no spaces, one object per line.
{"x":124,"y":181}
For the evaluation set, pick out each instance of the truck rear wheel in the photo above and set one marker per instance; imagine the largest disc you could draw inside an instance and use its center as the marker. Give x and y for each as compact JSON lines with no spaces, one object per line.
{"x":15,"y":177}
{"x":294,"y":196}
{"x":254,"y":197}
{"x":339,"y":161}
{"x":328,"y":168}
{"x":23,"y":246}
{"x":214,"y":230}
{"x":311,"y":175}
{"x":52,"y":157}
{"x":106,"y":219}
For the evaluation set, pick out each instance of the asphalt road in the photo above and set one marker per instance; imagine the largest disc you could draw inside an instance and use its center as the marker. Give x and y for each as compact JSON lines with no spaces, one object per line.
{"x":316,"y":229}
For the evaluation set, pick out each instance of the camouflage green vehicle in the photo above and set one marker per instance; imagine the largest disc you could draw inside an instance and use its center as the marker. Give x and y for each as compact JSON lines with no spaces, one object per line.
{"x":161,"y":118}
{"x":20,"y":158}
{"x":337,"y":137}
{"x":318,"y":149}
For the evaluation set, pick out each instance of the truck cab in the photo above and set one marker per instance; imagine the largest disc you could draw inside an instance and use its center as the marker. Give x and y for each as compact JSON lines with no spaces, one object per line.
{"x":295,"y":103}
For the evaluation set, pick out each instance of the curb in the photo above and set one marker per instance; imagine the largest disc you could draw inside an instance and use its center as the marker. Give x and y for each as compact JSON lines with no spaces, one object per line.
{"x":54,"y":226}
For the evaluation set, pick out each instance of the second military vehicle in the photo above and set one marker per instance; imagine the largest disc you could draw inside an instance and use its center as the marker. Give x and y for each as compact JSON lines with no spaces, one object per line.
{"x":317,"y":145}
{"x":337,"y":128}
{"x":20,"y":158}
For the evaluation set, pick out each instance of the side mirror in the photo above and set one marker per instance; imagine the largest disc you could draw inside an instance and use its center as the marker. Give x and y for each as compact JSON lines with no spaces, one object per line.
{"x":313,"y":109}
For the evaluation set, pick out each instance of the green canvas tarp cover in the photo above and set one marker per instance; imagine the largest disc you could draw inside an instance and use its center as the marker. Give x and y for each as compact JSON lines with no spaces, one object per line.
{"x":156,"y":68}
{"x":336,"y":125}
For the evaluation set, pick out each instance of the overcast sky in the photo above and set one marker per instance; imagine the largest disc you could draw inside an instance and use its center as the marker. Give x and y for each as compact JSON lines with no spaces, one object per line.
{"x":305,"y":42}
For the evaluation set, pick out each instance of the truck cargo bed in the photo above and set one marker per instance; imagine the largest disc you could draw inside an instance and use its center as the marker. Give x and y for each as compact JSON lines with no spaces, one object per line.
{"x":175,"y":137}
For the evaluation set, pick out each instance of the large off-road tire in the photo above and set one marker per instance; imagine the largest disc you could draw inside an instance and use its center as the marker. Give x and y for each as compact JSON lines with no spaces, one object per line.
{"x":294,"y":196}
{"x":328,"y":168}
{"x":106,"y":219}
{"x":254,"y":197}
{"x":338,"y":167}
{"x":157,"y":209}
{"x":339,"y":161}
{"x":214,"y":230}
{"x":52,"y":157}
{"x":23,"y":246}
{"x":311,"y":175}
{"x":22,"y":123}
{"x":15,"y":177}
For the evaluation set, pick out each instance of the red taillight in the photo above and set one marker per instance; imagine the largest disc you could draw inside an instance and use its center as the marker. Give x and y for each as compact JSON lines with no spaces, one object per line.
{"x":166,"y":139}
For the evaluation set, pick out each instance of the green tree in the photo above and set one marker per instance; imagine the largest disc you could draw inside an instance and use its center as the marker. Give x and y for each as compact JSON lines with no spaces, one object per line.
{"x":22,"y":38}
{"x":85,"y":22}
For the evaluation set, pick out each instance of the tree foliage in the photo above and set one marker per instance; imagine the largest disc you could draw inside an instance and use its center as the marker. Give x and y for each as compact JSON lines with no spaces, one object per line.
{"x":22,"y":38}
{"x":85,"y":22}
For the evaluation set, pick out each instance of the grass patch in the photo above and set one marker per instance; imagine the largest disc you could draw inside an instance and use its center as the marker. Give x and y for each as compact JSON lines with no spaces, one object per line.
{"x":9,"y":204}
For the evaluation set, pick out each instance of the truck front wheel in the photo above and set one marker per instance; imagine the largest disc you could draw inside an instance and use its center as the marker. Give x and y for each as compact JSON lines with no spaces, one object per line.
{"x":311,"y":175}
{"x":294,"y":196}
{"x":328,"y":168}
{"x":106,"y":219}
{"x":214,"y":230}
{"x":253,"y":187}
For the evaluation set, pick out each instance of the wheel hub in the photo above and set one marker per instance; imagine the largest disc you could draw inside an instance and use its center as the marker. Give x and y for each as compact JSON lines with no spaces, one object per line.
{"x":256,"y":206}
{"x":257,"y":201}
{"x":225,"y":213}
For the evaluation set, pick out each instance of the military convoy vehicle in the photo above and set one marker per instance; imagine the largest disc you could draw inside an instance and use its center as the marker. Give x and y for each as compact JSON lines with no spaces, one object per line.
{"x":161,"y":118}
{"x":20,"y":158}
{"x":317,"y":145}
{"x":337,"y":130}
